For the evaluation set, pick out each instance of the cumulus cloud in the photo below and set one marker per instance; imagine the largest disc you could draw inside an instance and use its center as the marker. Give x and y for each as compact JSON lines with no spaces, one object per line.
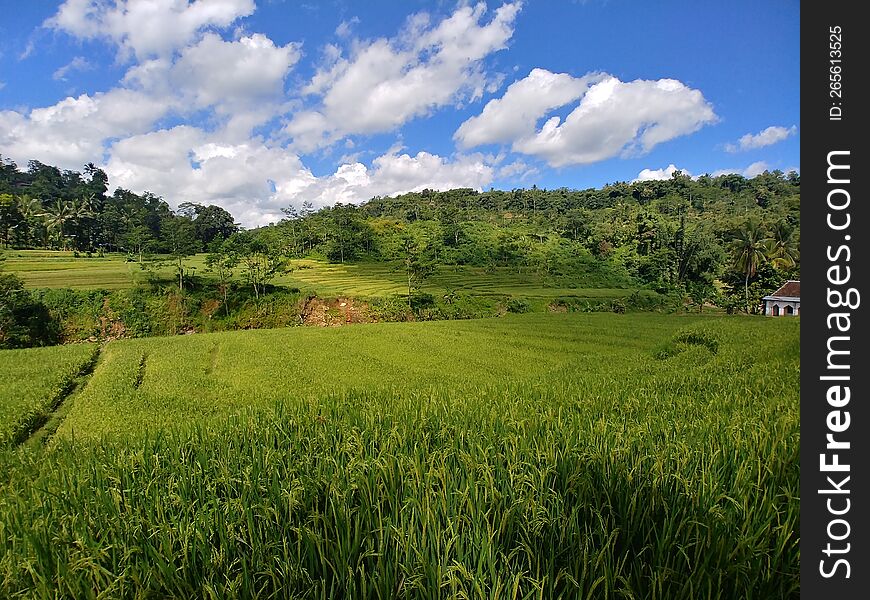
{"x":514,"y":115}
{"x":234,"y":77}
{"x":393,"y":173}
{"x":241,"y":80}
{"x":146,"y":28}
{"x":387,"y":82}
{"x":613,"y":118}
{"x":71,"y":132}
{"x":187,"y":164}
{"x":239,"y":73}
{"x":766,"y":137}
{"x":254,"y":181}
{"x":660,"y":174}
{"x":517,"y":169}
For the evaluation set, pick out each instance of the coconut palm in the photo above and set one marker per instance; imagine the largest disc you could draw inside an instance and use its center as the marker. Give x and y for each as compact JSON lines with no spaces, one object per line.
{"x":781,"y":247}
{"x":31,"y":210}
{"x":56,"y":217}
{"x":81,"y":210}
{"x":748,"y":251}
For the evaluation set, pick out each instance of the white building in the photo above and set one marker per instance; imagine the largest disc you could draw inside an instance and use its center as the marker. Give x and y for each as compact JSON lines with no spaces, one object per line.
{"x":784,"y":302}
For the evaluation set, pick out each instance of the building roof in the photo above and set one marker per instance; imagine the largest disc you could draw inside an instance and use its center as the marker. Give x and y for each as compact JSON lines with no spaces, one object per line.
{"x":790,"y":289}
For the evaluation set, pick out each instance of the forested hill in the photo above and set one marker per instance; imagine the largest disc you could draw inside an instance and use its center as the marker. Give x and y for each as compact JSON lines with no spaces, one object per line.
{"x":680,"y":234}
{"x":732,"y":193}
{"x":676,"y":234}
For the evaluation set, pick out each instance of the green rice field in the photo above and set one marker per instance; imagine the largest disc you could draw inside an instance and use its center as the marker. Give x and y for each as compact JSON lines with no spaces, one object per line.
{"x":530,"y":456}
{"x":54,"y":269}
{"x":32,"y":381}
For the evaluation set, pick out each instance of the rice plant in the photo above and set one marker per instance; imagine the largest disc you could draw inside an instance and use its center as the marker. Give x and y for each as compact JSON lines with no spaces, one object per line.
{"x":532,"y":456}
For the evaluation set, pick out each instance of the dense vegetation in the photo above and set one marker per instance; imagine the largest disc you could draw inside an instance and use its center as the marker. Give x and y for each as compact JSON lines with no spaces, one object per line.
{"x":723,"y":240}
{"x":640,"y":456}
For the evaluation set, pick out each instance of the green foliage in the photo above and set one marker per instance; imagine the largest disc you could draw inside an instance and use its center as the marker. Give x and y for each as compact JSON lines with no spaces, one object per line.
{"x":260,"y":263}
{"x":518,"y":305}
{"x":48,"y":208}
{"x":24,"y":321}
{"x":541,"y":456}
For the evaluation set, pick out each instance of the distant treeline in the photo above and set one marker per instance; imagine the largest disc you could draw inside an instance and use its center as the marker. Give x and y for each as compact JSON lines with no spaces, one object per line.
{"x":679,"y":234}
{"x":44,"y":207}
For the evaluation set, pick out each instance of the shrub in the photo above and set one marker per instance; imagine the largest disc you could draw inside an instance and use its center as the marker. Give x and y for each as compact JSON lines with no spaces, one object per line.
{"x":24,"y":320}
{"x":518,"y":305}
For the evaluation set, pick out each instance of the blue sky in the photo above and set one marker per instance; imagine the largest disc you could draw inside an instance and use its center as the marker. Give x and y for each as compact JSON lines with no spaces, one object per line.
{"x":259,"y":104}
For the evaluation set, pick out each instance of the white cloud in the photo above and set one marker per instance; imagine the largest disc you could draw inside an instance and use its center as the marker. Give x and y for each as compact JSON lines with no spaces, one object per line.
{"x":146,"y":28}
{"x":240,"y":73}
{"x":514,"y":115}
{"x":254,"y":181}
{"x":344,"y":28}
{"x":660,"y":174}
{"x":79,"y":63}
{"x":752,"y":170}
{"x":71,"y":133}
{"x":28,"y":50}
{"x":766,"y":137}
{"x":186,"y":164}
{"x":394,"y":173}
{"x":613,"y":118}
{"x":756,"y":168}
{"x":242,"y":80}
{"x":386,"y":83}
{"x":518,"y":169}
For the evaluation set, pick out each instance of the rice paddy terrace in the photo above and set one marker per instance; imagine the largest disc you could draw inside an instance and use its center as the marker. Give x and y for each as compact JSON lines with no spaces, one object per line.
{"x":56,"y":269}
{"x":563,"y":455}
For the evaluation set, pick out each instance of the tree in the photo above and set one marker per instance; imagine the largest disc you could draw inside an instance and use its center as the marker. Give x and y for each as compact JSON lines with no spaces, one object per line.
{"x":140,"y":240}
{"x":260,"y":262}
{"x":56,"y":218}
{"x":417,"y":261}
{"x":748,"y":252}
{"x":24,"y":321}
{"x":182,"y":242}
{"x":222,"y":258}
{"x":209,"y":222}
{"x":34,"y":221}
{"x":10,"y":217}
{"x":213,"y":222}
{"x":780,"y":246}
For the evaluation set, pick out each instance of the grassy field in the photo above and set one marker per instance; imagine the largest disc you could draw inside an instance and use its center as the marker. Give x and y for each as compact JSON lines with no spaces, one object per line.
{"x":32,"y":380}
{"x":54,"y":269}
{"x":533,"y":456}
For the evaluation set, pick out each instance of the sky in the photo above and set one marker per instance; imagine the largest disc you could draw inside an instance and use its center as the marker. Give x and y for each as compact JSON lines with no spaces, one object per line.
{"x":256,"y":105}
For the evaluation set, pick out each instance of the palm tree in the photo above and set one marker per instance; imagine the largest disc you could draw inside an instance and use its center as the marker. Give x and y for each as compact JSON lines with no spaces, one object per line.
{"x":31,"y":210}
{"x":56,"y":217}
{"x":81,"y":210}
{"x":781,"y":248}
{"x":749,"y":252}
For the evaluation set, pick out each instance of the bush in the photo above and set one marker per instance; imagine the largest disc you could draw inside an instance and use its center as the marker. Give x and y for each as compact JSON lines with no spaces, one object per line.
{"x":24,"y":320}
{"x":390,"y":308}
{"x":518,"y":305}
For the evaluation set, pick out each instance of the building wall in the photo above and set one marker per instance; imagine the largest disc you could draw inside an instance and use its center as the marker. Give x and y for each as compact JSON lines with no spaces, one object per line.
{"x":771,"y":306}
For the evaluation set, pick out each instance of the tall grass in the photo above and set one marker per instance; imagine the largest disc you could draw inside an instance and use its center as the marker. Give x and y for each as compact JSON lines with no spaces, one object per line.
{"x":595,"y":471}
{"x":32,"y":381}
